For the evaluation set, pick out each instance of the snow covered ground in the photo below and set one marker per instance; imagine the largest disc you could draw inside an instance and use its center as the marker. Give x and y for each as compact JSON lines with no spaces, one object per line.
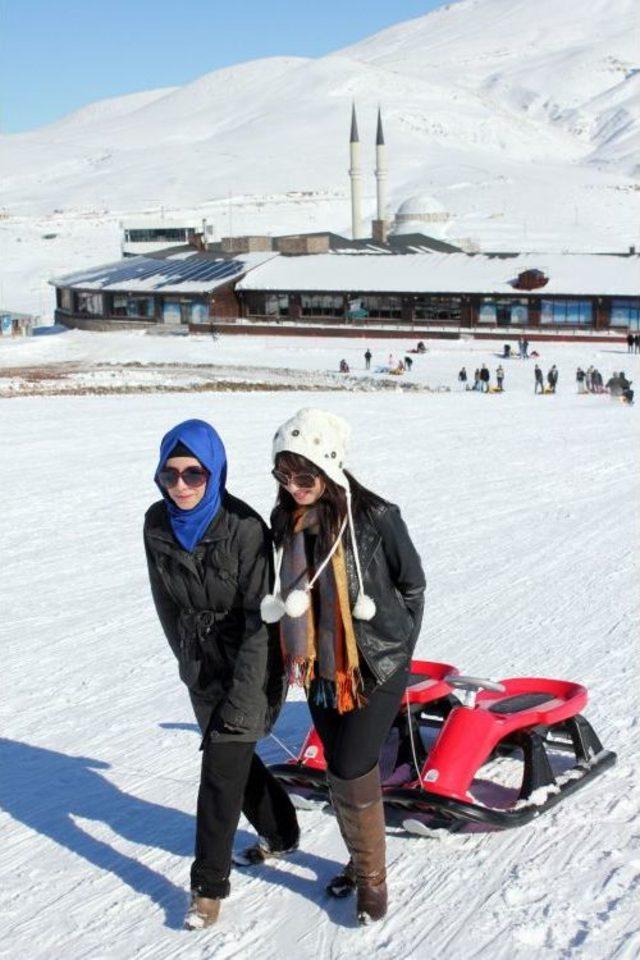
{"x":525,"y":512}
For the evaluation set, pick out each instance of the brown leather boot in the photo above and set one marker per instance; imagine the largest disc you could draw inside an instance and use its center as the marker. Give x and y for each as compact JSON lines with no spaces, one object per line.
{"x":203,"y":912}
{"x":360,"y":814}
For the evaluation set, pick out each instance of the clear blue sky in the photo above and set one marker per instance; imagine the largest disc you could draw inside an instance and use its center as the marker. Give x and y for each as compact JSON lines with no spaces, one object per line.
{"x":58,"y":55}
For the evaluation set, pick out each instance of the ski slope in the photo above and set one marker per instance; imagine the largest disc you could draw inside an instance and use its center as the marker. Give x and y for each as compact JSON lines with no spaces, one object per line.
{"x":524,"y":510}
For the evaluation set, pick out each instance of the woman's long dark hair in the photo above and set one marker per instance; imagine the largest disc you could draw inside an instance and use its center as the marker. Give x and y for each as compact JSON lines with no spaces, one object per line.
{"x":332,"y":505}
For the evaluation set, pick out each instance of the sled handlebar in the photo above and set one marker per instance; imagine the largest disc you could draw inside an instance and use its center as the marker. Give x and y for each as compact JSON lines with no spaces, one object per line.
{"x":471,"y":685}
{"x":474,"y":683}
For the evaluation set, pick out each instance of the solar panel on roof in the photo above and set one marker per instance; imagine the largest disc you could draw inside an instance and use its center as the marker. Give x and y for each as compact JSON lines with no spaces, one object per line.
{"x":169,"y":272}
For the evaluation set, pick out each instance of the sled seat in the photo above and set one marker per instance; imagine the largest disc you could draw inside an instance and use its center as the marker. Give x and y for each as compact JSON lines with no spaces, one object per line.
{"x":523,"y":701}
{"x":532,"y":701}
{"x":426,"y":682}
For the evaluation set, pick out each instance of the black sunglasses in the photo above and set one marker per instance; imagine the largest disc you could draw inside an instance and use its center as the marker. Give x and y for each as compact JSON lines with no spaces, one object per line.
{"x":192,"y":476}
{"x":303,"y":480}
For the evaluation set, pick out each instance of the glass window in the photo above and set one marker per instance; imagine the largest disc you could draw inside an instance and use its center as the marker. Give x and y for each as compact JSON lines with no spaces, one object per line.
{"x":625,"y":313}
{"x":277,"y":305}
{"x":128,"y":305}
{"x":199,"y":311}
{"x":159,"y":235}
{"x":383,"y":307}
{"x":438,"y":308}
{"x":89,"y":303}
{"x":573,"y":312}
{"x":66,"y":299}
{"x":487,"y":312}
{"x":321,"y":305}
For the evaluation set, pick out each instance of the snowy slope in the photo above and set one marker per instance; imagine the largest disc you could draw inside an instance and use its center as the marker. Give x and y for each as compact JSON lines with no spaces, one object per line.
{"x":521,"y":508}
{"x":521,"y":117}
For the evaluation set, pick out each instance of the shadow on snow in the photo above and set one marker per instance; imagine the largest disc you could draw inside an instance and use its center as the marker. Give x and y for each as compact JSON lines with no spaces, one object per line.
{"x":46,"y":790}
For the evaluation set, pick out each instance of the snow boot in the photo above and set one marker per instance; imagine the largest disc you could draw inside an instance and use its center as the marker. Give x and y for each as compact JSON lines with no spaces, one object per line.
{"x":202,"y":913}
{"x":360,"y":814}
{"x":343,"y":883}
{"x":258,"y":852}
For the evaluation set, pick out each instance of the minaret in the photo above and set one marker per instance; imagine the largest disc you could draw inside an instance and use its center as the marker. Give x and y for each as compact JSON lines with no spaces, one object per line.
{"x":355,"y":176}
{"x":379,"y":226}
{"x":381,"y":170}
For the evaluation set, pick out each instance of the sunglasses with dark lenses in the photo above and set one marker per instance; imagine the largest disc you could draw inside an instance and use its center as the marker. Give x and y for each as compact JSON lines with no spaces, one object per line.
{"x":304,"y":481}
{"x":192,"y":476}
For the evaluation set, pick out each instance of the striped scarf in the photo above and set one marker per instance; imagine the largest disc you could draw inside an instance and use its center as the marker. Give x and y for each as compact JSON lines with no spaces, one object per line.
{"x":321,"y":644}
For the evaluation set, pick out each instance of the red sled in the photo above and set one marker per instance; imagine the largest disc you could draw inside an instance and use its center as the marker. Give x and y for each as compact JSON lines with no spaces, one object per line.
{"x":449,"y":727}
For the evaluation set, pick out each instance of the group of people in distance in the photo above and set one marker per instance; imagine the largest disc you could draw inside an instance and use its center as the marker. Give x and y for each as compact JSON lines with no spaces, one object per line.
{"x":538,"y":378}
{"x":482,"y":379}
{"x":394,"y":366}
{"x":633,"y":343}
{"x":523,"y":349}
{"x":591,"y":381}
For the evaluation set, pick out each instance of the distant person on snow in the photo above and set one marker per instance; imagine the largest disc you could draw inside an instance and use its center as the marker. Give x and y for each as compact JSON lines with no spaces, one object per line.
{"x":630,"y":343}
{"x":344,"y":366}
{"x":421,"y":347}
{"x":614,"y":385}
{"x":477,"y":382}
{"x":627,"y":392}
{"x":580,"y":379}
{"x":367,"y":359}
{"x":209,"y":560}
{"x":525,"y":349}
{"x":485,"y":377}
{"x":500,"y":377}
{"x":552,"y":378}
{"x":636,"y":343}
{"x":539,"y":379}
{"x":462,"y":378}
{"x":408,"y":362}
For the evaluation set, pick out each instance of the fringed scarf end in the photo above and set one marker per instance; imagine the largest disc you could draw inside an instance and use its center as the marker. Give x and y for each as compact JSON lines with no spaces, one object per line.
{"x":300,"y":671}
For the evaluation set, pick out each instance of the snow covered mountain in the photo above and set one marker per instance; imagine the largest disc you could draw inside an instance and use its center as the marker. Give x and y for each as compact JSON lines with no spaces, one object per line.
{"x":522,"y":118}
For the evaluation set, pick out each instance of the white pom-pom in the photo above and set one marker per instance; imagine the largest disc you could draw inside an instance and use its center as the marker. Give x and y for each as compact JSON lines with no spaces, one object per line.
{"x":364,"y":608}
{"x":271,"y":608}
{"x":297,"y":603}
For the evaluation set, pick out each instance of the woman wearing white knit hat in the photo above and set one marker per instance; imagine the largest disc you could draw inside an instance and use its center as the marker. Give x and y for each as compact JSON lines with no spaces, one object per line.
{"x":349,"y":595}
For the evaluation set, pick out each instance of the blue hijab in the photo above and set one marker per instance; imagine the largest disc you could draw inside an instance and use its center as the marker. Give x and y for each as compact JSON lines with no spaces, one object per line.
{"x":189,"y":526}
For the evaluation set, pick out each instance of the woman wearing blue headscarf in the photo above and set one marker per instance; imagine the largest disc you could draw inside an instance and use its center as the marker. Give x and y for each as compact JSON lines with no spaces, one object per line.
{"x":209,"y":557}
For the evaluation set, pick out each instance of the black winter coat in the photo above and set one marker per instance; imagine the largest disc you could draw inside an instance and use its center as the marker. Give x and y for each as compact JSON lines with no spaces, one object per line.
{"x":208,"y":603}
{"x":393,"y":577}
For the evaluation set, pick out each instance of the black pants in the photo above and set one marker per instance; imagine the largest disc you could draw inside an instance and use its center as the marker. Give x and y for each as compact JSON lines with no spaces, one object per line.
{"x":352,"y":741}
{"x":234,"y":780}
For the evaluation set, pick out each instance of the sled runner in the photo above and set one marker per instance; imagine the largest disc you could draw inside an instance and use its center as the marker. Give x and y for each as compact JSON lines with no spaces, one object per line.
{"x":535,"y":723}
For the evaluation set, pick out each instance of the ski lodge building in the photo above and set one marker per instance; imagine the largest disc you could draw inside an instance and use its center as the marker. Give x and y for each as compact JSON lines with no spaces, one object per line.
{"x":408,"y":278}
{"x":356,"y":287}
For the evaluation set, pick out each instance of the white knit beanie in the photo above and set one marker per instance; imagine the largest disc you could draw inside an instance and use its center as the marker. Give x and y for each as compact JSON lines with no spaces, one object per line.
{"x":318,"y":436}
{"x":322,"y":439}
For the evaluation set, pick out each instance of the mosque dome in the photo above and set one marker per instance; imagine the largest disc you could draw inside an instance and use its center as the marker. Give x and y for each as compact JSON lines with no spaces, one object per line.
{"x":421,"y":214}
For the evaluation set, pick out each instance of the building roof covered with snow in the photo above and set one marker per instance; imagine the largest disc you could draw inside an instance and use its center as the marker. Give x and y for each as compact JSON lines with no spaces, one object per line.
{"x":564,"y":274}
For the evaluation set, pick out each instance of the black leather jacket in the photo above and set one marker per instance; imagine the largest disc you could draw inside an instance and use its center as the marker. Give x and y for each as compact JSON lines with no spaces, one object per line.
{"x":393,"y":577}
{"x":208,"y":603}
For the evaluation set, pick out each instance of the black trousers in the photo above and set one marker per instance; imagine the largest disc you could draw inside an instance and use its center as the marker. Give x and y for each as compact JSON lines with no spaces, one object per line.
{"x":352,"y":741}
{"x":234,"y":779}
